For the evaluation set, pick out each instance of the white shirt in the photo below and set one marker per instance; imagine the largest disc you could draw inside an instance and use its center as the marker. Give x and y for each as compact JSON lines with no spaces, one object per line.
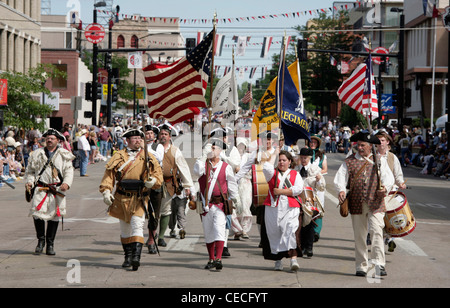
{"x":83,"y":144}
{"x":397,"y":172}
{"x":159,"y":153}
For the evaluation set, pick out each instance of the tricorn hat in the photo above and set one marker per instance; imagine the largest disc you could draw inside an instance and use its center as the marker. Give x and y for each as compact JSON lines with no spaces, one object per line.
{"x":131,"y":132}
{"x":54,"y":132}
{"x":366,"y":137}
{"x":152,"y":128}
{"x":218,"y":143}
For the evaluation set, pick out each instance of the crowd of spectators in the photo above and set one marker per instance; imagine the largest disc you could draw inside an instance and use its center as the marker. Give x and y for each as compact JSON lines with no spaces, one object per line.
{"x":414,"y":147}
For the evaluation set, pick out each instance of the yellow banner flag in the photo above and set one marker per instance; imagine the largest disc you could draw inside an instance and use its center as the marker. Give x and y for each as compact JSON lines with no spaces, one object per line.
{"x":266,"y":117}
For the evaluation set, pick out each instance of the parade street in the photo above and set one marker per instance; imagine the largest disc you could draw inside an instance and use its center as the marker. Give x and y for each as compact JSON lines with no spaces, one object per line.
{"x":89,"y":253}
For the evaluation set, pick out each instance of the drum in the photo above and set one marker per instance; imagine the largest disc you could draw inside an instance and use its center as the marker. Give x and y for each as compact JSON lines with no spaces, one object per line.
{"x":399,"y":219}
{"x":307,"y":193}
{"x":260,"y":187}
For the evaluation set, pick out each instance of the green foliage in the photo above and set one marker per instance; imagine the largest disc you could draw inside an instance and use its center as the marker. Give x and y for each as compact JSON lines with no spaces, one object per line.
{"x":24,"y":110}
{"x":320,"y":80}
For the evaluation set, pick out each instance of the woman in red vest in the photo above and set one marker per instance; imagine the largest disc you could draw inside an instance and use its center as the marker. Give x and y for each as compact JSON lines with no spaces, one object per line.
{"x":280,"y":231}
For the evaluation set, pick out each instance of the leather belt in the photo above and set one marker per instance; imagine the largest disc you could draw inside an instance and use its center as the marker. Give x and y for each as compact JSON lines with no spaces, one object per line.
{"x":216,"y":199}
{"x":131,"y":193}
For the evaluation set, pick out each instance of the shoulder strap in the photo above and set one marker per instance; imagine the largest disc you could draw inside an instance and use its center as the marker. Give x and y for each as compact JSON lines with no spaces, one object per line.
{"x":357,"y":175}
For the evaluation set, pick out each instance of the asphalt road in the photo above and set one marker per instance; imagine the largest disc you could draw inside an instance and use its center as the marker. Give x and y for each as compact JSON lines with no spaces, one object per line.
{"x":89,"y":253}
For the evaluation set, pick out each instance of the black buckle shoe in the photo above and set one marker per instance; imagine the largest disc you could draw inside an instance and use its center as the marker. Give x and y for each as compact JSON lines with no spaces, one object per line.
{"x":210,"y":264}
{"x":218,"y":264}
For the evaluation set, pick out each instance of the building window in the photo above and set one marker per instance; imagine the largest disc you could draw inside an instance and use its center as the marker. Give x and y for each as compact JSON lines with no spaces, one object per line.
{"x":60,"y":82}
{"x":134,"y":42}
{"x":120,"y":41}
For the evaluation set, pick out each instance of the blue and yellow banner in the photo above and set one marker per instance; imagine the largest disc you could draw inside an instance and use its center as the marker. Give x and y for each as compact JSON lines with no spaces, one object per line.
{"x":293,"y":120}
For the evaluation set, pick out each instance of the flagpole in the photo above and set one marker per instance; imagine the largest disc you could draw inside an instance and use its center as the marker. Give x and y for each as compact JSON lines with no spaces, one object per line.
{"x":300,"y":94}
{"x":282,"y":81}
{"x":212,"y":67}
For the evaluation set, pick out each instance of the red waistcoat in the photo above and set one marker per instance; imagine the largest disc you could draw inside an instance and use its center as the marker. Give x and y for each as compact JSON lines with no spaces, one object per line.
{"x":275,"y":182}
{"x":221,"y":180}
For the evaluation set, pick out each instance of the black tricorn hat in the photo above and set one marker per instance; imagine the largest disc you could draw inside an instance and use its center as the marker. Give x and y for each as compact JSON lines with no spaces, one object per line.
{"x":218,"y":143}
{"x":152,"y":128}
{"x":54,"y":132}
{"x":366,"y":137}
{"x":133,"y":132}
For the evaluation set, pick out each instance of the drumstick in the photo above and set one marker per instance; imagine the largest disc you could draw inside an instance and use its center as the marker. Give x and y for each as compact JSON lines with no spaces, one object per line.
{"x":396,"y":192}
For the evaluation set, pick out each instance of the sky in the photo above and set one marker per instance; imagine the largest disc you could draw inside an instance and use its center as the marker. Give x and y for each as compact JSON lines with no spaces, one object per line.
{"x":205,"y":9}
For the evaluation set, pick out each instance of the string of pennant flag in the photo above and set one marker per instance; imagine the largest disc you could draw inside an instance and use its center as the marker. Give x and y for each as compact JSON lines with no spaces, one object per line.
{"x":228,"y":20}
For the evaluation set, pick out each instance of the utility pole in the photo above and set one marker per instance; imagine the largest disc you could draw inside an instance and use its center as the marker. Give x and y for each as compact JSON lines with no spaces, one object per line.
{"x":401,"y":70}
{"x":109,"y":70}
{"x":94,"y":77}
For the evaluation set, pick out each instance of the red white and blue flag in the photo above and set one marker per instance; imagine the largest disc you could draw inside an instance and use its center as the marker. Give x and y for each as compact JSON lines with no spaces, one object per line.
{"x":359,"y":91}
{"x":176,"y":91}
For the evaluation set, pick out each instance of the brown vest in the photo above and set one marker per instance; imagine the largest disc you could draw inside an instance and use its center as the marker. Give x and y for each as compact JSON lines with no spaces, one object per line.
{"x":364,"y":187}
{"x":170,"y":169}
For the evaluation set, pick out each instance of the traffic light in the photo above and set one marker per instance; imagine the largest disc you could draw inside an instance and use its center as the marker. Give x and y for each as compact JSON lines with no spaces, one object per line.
{"x":408,"y":97}
{"x":395,"y":97}
{"x":302,"y":50}
{"x":99,"y":90}
{"x":88,"y":91}
{"x":190,"y":44}
{"x":108,"y":61}
{"x":115,"y":96}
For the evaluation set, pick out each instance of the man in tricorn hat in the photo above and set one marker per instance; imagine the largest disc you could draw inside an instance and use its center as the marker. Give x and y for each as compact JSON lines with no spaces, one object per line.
{"x":155,"y":148}
{"x":366,"y":200}
{"x":49,"y":174}
{"x":128,"y":171}
{"x":177,"y":187}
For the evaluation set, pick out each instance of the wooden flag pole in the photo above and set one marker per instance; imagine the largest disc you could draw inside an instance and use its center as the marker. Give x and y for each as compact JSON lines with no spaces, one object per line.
{"x":282,"y":82}
{"x":211,"y":73}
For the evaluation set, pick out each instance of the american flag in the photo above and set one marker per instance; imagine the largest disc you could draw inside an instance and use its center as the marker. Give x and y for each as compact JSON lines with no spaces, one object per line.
{"x":359,"y":91}
{"x":176,"y":91}
{"x":370,"y":98}
{"x":248,"y":97}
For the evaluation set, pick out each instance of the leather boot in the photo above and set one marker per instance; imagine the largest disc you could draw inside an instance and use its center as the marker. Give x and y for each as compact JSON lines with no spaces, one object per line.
{"x":136,"y":255}
{"x":52,"y":227}
{"x":39,"y":225}
{"x":127,"y":248}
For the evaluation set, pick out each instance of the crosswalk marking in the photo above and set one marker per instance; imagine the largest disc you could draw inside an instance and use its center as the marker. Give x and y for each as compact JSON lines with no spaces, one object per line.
{"x":408,"y":246}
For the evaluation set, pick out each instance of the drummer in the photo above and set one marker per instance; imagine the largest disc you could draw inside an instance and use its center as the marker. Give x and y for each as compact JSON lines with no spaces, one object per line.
{"x":312,"y":177}
{"x":366,"y":201}
{"x":263,"y":153}
{"x":383,"y":150}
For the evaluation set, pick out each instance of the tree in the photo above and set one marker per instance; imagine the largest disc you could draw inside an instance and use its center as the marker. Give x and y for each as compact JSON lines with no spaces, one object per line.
{"x":25,"y":111}
{"x":320,"y":80}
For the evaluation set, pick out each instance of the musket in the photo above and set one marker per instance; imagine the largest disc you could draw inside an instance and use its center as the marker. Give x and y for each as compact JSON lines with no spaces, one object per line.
{"x":3,"y":181}
{"x":151,"y":216}
{"x":53,"y":191}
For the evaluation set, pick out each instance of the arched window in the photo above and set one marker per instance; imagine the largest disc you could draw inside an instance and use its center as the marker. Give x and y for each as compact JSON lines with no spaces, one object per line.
{"x":134,"y":41}
{"x":120,"y":41}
